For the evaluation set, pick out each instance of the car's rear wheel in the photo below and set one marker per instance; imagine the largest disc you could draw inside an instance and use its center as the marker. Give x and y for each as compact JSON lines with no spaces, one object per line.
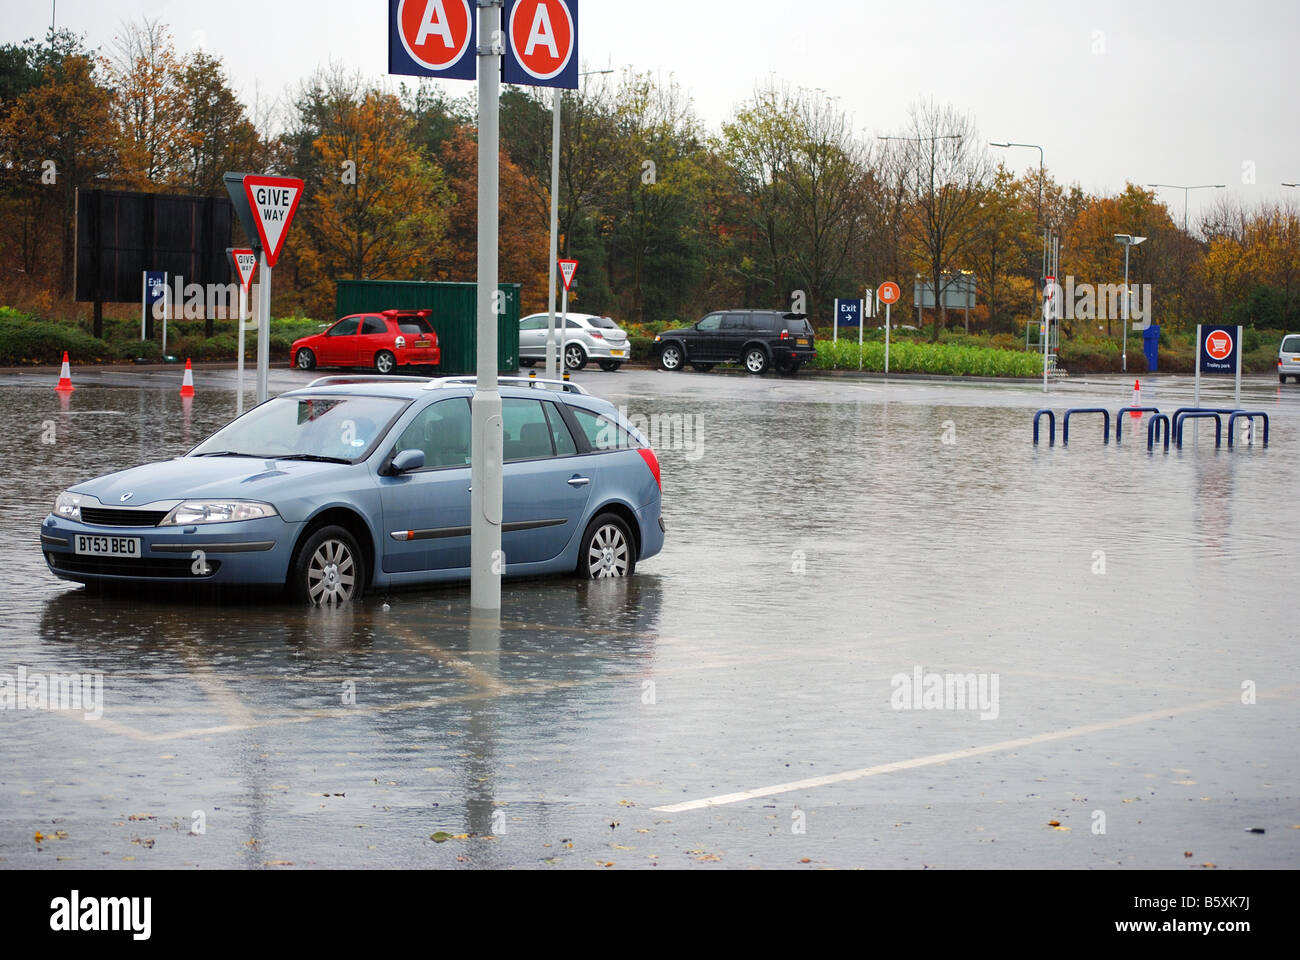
{"x":607,"y":549}
{"x":703,"y":367}
{"x":670,"y":357}
{"x":609,"y":366}
{"x":385,"y":362}
{"x":575,"y":358}
{"x":304,"y":359}
{"x":328,"y":568}
{"x":755,"y":360}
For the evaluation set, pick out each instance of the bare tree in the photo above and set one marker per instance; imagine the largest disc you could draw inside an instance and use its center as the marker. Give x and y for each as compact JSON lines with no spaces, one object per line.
{"x":945,"y":174}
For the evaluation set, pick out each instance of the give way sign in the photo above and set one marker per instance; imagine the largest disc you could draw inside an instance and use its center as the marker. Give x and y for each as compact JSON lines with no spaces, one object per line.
{"x":567,"y":269}
{"x":272,"y":201}
{"x":541,"y":43}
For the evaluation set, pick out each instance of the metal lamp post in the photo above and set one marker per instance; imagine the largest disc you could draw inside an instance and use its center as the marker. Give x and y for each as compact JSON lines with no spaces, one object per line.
{"x":1186,"y":191}
{"x":1127,"y":240}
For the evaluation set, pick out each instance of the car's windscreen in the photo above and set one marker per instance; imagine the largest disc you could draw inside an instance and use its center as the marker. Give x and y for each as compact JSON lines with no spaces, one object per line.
{"x":414,"y":325}
{"x":1291,"y":345}
{"x":309,"y":428}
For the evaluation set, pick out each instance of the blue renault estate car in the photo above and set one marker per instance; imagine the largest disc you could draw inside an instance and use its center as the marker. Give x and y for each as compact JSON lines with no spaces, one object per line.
{"x":359,"y":482}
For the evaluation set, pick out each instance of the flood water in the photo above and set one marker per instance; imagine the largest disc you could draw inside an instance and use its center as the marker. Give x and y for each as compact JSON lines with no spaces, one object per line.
{"x":1130,"y":613}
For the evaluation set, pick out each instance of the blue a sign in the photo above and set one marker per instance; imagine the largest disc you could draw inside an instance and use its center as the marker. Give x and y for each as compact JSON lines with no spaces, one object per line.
{"x":848,"y":313}
{"x":155,"y":286}
{"x":1219,"y":349}
{"x":541,"y":43}
{"x":432,"y":38}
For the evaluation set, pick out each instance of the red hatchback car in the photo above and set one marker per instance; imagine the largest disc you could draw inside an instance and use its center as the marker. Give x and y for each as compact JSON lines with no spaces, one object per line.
{"x":384,"y":341}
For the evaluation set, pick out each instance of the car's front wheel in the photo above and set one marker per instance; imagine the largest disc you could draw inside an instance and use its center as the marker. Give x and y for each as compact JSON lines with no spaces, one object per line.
{"x":755,"y":360}
{"x":670,"y":357}
{"x":305,"y":359}
{"x":609,"y":366}
{"x":328,"y":568}
{"x":575,"y":358}
{"x":607,"y":549}
{"x":385,"y":362}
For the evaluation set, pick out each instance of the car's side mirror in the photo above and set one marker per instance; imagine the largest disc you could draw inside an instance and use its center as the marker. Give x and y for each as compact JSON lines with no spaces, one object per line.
{"x":408,"y":460}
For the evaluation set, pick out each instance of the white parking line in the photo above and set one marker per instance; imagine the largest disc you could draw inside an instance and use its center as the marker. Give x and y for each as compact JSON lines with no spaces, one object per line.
{"x":935,"y":758}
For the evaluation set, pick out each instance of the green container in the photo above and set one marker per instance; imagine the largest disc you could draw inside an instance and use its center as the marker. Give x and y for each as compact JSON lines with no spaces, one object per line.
{"x":454,"y":317}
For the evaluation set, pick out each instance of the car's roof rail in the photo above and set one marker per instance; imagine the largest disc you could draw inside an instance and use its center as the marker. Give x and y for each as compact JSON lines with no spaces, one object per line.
{"x":566,"y":386}
{"x":365,"y":378}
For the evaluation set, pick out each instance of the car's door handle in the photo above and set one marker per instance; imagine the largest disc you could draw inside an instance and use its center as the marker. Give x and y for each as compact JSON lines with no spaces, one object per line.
{"x":579,"y":481}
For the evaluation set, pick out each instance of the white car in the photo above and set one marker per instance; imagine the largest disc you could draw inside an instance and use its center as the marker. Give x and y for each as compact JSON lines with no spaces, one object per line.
{"x":585,"y":337}
{"x":1288,"y":358}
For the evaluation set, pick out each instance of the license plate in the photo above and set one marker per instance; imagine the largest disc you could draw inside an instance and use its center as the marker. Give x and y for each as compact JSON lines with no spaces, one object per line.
{"x":108,"y":546}
{"x":802,"y":342}
{"x":617,"y":353}
{"x":424,"y":343}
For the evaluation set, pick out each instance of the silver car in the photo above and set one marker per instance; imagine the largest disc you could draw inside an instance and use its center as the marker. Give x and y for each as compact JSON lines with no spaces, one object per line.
{"x":1288,"y":358}
{"x":585,"y":337}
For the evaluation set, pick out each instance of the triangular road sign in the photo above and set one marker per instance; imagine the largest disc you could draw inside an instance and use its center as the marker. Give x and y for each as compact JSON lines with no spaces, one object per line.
{"x":272,"y":201}
{"x":244,"y":262}
{"x":567,"y":269}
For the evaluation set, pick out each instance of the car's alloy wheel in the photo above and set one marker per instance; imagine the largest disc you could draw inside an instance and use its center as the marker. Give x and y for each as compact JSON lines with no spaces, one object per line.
{"x":755,"y":360}
{"x":607,"y":549}
{"x":575,"y":358}
{"x":670,"y":357}
{"x":609,"y":366}
{"x":385,"y":362}
{"x":305,"y":360}
{"x":329,"y":569}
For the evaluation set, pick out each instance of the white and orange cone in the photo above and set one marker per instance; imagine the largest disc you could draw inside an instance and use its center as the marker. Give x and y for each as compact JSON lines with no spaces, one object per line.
{"x":1137,"y":397}
{"x":65,"y":375}
{"x":187,"y":385}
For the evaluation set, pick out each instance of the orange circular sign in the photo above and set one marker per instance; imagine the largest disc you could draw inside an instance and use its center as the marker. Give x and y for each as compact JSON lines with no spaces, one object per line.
{"x":1218,"y":345}
{"x":889,"y":292}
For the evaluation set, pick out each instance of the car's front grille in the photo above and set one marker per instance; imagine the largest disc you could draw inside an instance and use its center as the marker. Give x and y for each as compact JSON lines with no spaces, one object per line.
{"x":109,"y":517}
{"x":143,"y":567}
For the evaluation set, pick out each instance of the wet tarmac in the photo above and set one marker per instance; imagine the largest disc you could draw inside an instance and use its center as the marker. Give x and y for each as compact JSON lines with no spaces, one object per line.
{"x":758,"y":695}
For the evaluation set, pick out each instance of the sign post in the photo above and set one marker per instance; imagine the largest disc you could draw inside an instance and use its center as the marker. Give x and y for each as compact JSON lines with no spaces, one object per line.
{"x":1045,"y":328}
{"x":567,"y":269}
{"x":888,"y":293}
{"x":848,"y":312}
{"x":272,"y":202}
{"x":244,"y":262}
{"x":1218,"y":351}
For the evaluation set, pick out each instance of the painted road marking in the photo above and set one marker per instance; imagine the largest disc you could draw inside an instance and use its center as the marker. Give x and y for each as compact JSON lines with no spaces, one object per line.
{"x":936,"y":758}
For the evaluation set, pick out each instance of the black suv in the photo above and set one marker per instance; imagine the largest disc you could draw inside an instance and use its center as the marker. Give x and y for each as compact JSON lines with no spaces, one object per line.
{"x":757,"y":338}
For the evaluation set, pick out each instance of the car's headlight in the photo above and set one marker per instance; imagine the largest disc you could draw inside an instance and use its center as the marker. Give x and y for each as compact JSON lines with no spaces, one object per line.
{"x":68,"y":505}
{"x":216,"y":511}
{"x":656,"y":338}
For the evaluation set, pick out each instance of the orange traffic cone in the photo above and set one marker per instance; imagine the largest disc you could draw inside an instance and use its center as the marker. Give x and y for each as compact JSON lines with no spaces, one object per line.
{"x":187,"y":385}
{"x":65,"y":375}
{"x":1137,"y":397}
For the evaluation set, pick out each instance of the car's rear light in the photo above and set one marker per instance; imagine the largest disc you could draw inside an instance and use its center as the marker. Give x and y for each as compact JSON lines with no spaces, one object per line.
{"x":596,"y":334}
{"x":652,"y":462}
{"x":785,"y":334}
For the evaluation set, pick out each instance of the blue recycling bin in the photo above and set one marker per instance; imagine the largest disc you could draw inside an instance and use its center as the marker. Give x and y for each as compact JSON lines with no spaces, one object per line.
{"x":1151,"y":346}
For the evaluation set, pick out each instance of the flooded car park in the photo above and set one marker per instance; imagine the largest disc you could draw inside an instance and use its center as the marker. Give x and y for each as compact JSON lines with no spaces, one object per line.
{"x":885,"y":630}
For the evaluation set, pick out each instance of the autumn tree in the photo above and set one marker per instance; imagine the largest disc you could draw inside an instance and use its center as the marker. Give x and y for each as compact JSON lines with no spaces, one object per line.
{"x":148,"y":103}
{"x":374,"y":205}
{"x":217,"y":133}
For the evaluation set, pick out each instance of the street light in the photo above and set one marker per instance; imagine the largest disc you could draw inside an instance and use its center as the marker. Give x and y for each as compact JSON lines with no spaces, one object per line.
{"x":1031,"y":146}
{"x":1186,"y":190}
{"x":555,"y":222}
{"x":1127,"y":240}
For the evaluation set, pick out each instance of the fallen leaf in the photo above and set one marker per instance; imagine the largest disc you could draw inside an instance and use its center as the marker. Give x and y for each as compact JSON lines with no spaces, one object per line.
{"x":1053,"y":823}
{"x":440,"y":837}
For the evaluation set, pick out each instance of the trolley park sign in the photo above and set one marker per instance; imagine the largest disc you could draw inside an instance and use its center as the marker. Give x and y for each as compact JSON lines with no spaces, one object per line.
{"x":439,"y":38}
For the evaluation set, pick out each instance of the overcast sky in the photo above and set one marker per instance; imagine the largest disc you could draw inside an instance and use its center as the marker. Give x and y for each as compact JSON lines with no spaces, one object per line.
{"x":1170,"y":91}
